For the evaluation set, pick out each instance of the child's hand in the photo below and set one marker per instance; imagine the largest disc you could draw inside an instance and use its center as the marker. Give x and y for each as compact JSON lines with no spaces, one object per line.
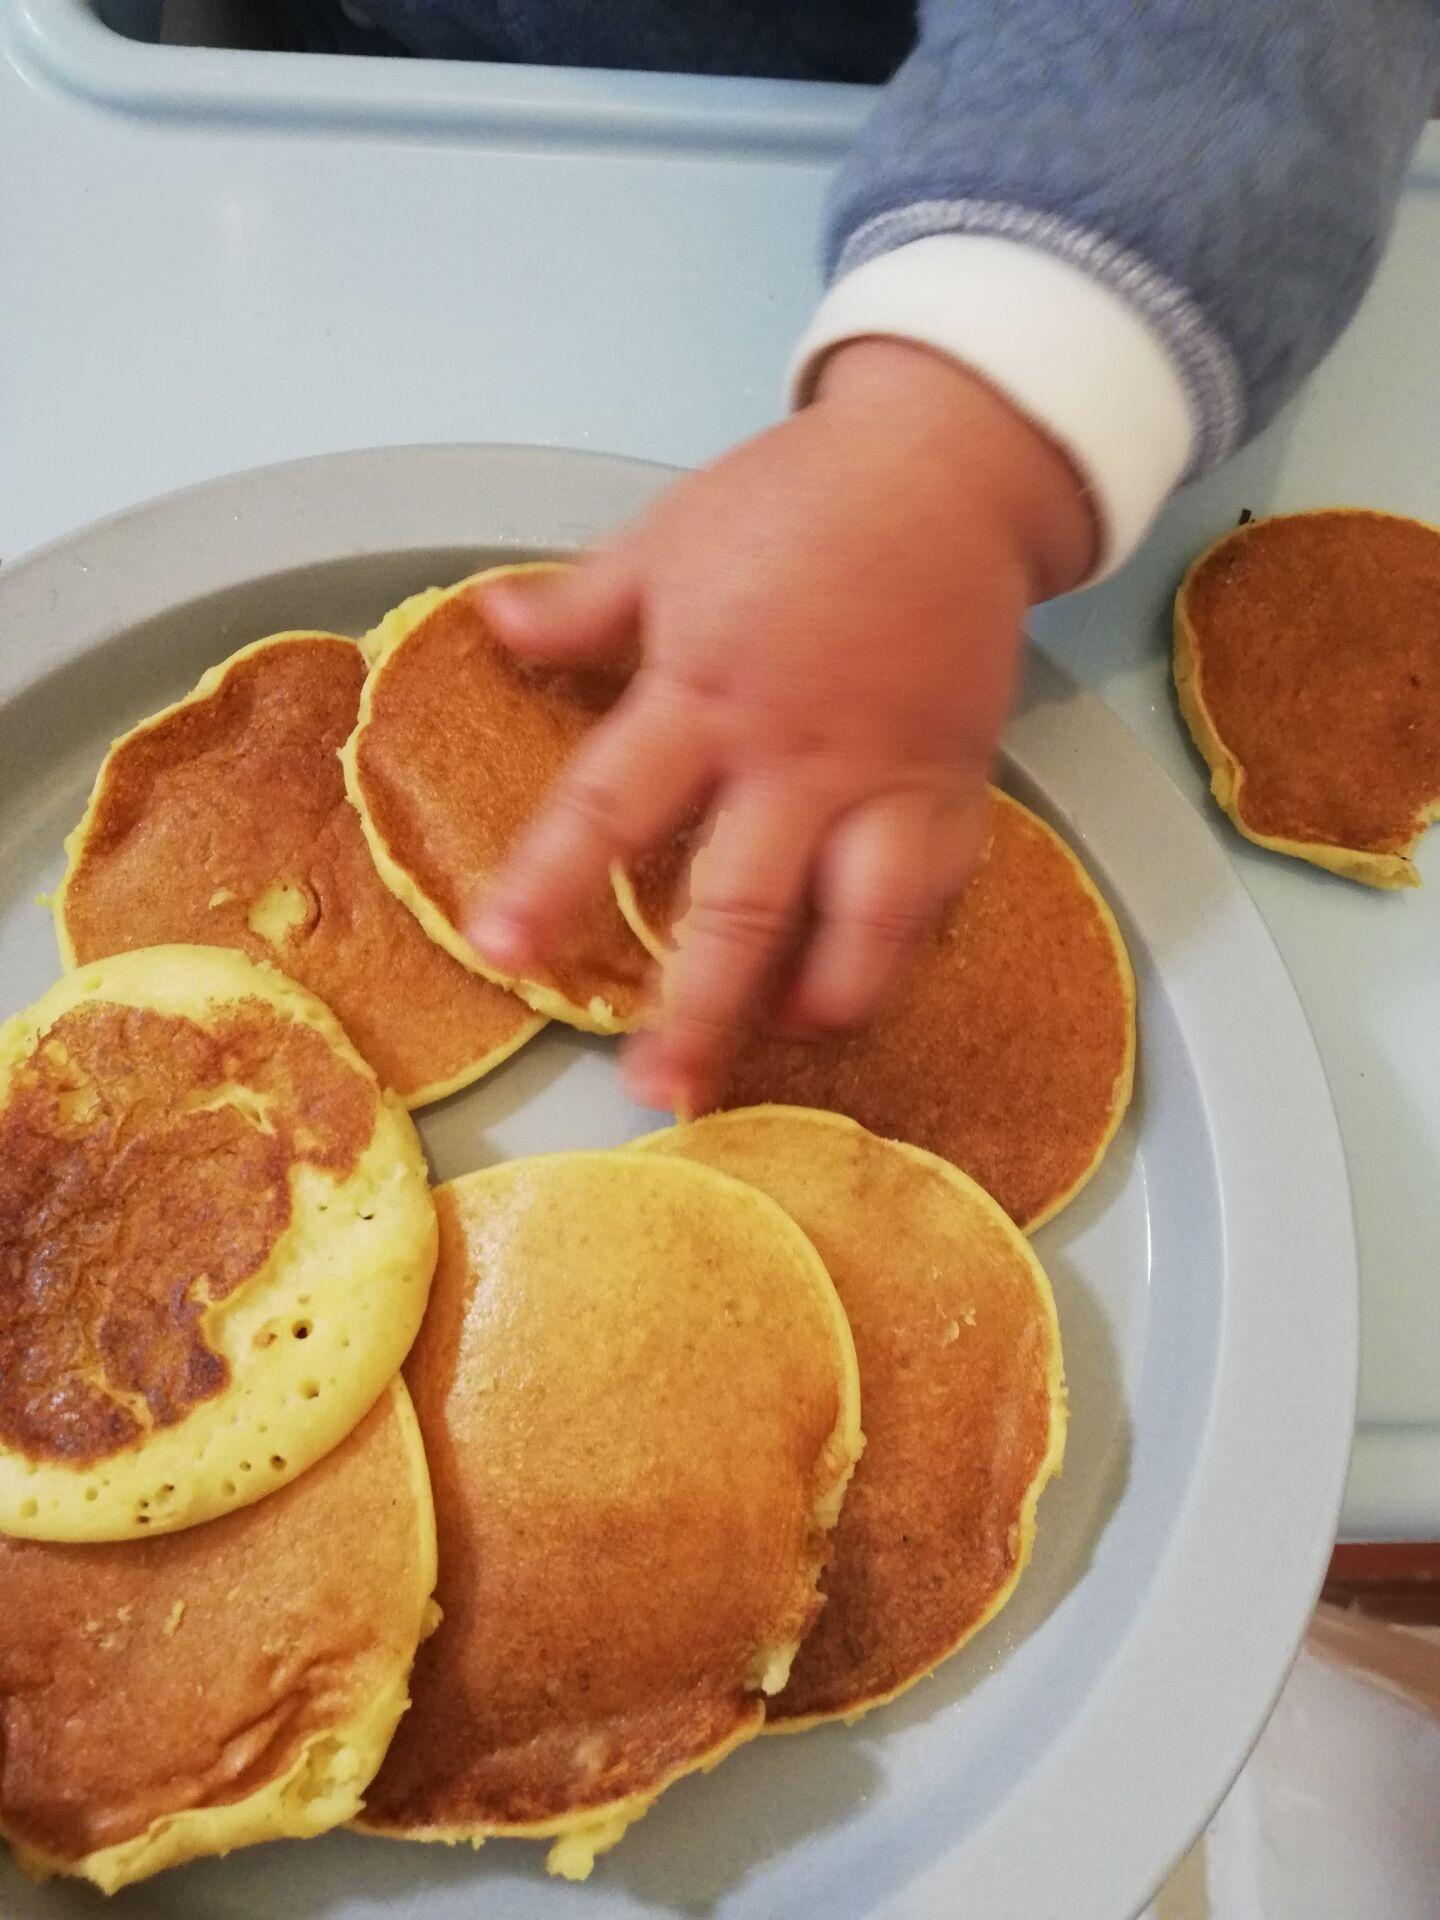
{"x":828,"y":621}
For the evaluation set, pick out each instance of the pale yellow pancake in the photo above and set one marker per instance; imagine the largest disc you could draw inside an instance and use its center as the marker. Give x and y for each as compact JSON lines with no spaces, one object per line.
{"x":169,"y":1698}
{"x":456,"y":747}
{"x":959,"y":1352}
{"x":224,"y":820}
{"x":218,"y":1239}
{"x":639,"y":1399}
{"x":1307,"y":666}
{"x":1008,"y":1049}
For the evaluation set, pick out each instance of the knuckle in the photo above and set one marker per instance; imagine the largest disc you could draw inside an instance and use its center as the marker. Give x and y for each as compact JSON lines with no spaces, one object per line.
{"x":684,"y":683}
{"x":889,"y":926}
{"x":597,"y":807}
{"x":735,"y":920}
{"x":706,"y":1023}
{"x":701,"y":1025}
{"x":821,"y":772}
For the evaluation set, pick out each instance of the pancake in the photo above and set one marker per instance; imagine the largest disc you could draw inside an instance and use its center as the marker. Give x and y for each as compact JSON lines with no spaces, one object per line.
{"x":215,"y":1243}
{"x":640,"y":1405}
{"x":168,"y":1698}
{"x":959,"y":1352}
{"x":1307,"y":665}
{"x":456,"y":748}
{"x":223,"y":820}
{"x":1009,"y":1049}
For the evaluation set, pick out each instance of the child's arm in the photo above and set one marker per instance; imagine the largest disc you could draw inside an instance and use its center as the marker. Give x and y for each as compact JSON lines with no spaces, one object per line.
{"x":1083,"y":248}
{"x":1109,"y":206}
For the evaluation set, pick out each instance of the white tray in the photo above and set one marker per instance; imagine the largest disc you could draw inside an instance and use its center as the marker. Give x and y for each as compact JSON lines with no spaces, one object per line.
{"x":1205,"y":1280}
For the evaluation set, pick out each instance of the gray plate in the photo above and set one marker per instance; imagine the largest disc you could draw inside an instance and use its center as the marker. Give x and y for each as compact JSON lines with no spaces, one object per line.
{"x":1205,"y":1280}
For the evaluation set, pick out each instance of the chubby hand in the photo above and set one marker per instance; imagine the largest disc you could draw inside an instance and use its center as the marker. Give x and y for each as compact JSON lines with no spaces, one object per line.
{"x":828,"y":622}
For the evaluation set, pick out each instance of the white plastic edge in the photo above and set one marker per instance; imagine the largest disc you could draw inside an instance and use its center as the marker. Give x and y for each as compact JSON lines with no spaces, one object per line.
{"x":63,"y":43}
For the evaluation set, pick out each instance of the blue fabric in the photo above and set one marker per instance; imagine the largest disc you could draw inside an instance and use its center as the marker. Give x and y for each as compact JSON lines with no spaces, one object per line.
{"x":322,"y":26}
{"x":858,"y":40}
{"x":1230,"y":167}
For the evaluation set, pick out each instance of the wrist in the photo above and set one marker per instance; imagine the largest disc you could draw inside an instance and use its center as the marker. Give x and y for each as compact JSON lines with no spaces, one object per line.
{"x":997,"y":458}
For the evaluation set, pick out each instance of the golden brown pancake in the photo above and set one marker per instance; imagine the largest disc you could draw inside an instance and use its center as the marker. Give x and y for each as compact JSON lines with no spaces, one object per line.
{"x":639,"y":1400}
{"x":224,"y":821}
{"x":457,"y":746}
{"x":959,"y":1352}
{"x":1307,"y":664}
{"x":1009,"y":1049}
{"x":216,"y":1241}
{"x":166,"y":1698}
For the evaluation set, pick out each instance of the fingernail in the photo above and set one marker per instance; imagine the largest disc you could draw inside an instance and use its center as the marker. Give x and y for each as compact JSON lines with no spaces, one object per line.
{"x":794,"y":1021}
{"x":499,"y":939}
{"x":648,"y":1087}
{"x":651,"y":1081}
{"x":511,"y":605}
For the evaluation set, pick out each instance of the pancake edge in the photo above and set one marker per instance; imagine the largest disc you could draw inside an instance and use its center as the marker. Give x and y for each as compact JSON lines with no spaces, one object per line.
{"x":427,"y":1095}
{"x":1388,"y":872}
{"x":392,"y":1152}
{"x":582,"y":1836}
{"x":578,"y":1839}
{"x":1053,"y":1460}
{"x":379,"y":646}
{"x":1123,"y":1090}
{"x":205,"y":688}
{"x":628,"y":901}
{"x":1124,"y":1086}
{"x":323,"y":1786}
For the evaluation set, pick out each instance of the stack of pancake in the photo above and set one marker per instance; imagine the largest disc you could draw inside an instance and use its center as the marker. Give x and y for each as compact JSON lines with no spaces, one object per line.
{"x":497,"y":1509}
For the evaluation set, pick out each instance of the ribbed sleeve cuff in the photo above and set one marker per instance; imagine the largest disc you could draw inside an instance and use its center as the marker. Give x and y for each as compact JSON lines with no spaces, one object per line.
{"x":1067,"y":349}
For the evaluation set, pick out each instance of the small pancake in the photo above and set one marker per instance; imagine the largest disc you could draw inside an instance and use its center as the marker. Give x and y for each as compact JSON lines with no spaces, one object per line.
{"x":224,"y":820}
{"x":959,"y":1352}
{"x":456,"y":748}
{"x":164,"y":1699}
{"x":216,"y":1242}
{"x":1009,"y":1049}
{"x":639,"y":1400}
{"x":1307,"y":666}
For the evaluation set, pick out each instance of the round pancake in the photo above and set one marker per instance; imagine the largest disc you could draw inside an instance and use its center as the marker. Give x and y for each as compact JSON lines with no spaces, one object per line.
{"x":639,"y":1400}
{"x":224,"y":820}
{"x":1009,"y":1049}
{"x":167,"y":1698}
{"x":456,"y":748}
{"x":216,"y":1242}
{"x":1307,"y":665}
{"x":959,"y":1352}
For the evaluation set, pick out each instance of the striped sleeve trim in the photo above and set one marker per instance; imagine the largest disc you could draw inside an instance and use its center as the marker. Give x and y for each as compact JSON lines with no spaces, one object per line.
{"x":1203,"y":362}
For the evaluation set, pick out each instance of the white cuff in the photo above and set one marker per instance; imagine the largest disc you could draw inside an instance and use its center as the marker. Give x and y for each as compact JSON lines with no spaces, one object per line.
{"x":1059,"y":344}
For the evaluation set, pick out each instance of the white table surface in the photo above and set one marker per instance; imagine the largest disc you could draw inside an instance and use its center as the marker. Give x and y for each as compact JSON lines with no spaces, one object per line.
{"x":188,"y":292}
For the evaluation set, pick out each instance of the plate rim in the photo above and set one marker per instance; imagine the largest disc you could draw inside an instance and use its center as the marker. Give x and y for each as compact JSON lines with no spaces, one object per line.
{"x":1277,"y":1431}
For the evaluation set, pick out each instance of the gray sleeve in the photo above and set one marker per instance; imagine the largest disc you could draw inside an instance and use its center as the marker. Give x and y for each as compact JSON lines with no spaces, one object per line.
{"x":1230,"y":167}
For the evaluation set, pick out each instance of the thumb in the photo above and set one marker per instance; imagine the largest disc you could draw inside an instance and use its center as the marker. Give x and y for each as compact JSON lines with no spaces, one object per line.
{"x":565,"y":615}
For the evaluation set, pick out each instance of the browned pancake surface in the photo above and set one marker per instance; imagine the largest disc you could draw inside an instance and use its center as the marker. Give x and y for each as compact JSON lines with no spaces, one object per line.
{"x":143,"y":1677}
{"x":626,"y":1405}
{"x":1009,"y":1048}
{"x":135,"y":1188}
{"x":207,"y":810}
{"x":959,"y":1365}
{"x":1317,"y":646}
{"x":462,"y":746}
